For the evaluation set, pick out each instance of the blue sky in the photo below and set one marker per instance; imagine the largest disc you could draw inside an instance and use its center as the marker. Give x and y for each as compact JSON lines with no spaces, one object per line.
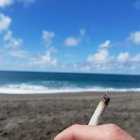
{"x":95,"y":36}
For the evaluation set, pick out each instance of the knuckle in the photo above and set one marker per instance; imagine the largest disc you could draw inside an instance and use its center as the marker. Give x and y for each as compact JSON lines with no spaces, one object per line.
{"x":114,"y":129}
{"x":75,"y":126}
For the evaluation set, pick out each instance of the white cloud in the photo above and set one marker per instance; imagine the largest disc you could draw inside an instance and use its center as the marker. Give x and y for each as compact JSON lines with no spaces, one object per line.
{"x":136,"y":58}
{"x":135,"y":37}
{"x":71,"y":41}
{"x":105,"y":45}
{"x":123,"y":57}
{"x":46,"y":60}
{"x":12,"y":42}
{"x":75,"y":41}
{"x":103,"y":62}
{"x":4,"y":3}
{"x":18,"y":53}
{"x":13,"y":58}
{"x":47,"y":37}
{"x":5,"y":22}
{"x":9,"y":40}
{"x":102,"y":56}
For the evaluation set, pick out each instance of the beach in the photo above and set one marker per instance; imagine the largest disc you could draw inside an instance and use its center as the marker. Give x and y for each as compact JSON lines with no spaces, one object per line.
{"x":43,"y":116}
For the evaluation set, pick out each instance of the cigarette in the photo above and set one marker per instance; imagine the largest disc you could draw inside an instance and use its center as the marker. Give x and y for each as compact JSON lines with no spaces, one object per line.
{"x":99,"y":110}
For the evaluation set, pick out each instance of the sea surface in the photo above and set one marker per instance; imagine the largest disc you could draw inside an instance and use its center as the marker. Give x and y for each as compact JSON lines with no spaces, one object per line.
{"x":49,"y":82}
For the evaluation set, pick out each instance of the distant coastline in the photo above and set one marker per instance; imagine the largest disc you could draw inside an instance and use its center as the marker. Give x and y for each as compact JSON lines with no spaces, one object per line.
{"x":70,"y":72}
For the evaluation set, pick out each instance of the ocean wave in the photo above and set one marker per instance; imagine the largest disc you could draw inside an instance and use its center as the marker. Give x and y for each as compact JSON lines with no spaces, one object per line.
{"x":38,"y":89}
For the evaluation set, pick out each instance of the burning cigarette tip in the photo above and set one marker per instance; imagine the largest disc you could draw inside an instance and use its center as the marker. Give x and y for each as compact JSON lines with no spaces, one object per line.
{"x":106,"y":99}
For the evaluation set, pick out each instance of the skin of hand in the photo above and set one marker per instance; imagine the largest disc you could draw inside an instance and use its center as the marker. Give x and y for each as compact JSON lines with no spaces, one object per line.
{"x":101,"y":132}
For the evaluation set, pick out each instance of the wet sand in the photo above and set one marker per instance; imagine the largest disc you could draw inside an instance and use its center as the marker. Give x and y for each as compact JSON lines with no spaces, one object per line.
{"x":43,"y":116}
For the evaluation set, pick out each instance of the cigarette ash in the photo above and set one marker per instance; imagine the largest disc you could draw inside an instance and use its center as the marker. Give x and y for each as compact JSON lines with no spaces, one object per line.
{"x":106,"y":99}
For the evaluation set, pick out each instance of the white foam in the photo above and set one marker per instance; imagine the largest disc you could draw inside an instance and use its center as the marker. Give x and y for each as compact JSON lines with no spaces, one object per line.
{"x":37,"y":89}
{"x":22,"y":89}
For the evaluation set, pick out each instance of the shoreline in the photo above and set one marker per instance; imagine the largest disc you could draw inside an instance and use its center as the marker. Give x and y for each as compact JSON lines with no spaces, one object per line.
{"x":77,"y":93}
{"x":43,"y":116}
{"x":42,"y":90}
{"x":67,"y":95}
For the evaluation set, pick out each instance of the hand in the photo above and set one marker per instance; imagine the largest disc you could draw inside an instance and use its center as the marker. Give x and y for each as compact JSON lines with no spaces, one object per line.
{"x":101,"y":132}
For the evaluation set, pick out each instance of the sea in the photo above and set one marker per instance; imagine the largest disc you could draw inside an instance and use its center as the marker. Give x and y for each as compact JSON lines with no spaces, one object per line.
{"x":14,"y":82}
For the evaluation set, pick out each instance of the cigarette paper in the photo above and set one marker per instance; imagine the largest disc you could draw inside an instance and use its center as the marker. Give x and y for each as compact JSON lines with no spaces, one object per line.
{"x":99,"y":110}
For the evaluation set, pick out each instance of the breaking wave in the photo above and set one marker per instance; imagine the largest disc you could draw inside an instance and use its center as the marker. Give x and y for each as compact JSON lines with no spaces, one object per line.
{"x":40,"y":89}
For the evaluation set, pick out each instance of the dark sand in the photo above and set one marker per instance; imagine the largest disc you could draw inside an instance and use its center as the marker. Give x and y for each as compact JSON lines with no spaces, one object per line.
{"x":41,"y":117}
